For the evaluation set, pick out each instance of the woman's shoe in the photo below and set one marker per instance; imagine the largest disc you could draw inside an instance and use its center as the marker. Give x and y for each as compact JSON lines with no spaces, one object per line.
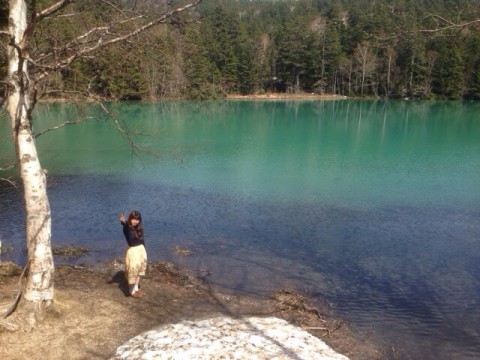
{"x":137,"y":294}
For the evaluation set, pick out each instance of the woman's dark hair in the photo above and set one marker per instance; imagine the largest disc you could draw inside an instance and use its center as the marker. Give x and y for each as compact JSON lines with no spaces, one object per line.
{"x":137,"y":230}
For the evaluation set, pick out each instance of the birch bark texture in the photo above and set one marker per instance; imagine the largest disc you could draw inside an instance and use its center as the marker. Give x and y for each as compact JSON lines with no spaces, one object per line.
{"x":20,"y":102}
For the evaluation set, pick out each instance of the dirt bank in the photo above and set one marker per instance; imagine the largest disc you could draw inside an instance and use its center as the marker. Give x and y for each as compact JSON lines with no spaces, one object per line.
{"x":92,"y":314}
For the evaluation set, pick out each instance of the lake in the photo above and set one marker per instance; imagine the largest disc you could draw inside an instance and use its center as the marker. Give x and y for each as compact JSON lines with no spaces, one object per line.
{"x":373,"y":205}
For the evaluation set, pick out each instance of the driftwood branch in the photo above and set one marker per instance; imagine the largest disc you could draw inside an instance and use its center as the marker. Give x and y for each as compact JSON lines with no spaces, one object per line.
{"x":314,"y":328}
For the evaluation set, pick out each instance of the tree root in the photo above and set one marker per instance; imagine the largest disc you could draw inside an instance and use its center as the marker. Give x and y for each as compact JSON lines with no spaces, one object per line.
{"x":12,"y":307}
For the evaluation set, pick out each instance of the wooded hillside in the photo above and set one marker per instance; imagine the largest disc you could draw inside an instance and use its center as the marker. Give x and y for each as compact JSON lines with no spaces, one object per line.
{"x":381,"y":48}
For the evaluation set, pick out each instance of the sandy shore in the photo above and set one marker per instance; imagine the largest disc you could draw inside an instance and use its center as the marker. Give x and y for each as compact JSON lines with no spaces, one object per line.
{"x":281,"y":96}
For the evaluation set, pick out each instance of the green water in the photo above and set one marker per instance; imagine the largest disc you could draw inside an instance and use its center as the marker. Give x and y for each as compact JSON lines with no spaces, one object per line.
{"x":372,"y":204}
{"x":344,"y":152}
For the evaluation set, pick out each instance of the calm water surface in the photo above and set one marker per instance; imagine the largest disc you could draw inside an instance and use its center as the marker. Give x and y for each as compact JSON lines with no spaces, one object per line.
{"x":374,"y":205}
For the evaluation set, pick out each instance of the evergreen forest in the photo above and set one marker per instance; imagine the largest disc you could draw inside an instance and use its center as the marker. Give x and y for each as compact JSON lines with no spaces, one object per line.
{"x":427,"y":49}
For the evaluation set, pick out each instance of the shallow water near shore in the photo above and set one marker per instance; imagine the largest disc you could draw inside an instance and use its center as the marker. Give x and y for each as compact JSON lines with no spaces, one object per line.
{"x":374,"y":205}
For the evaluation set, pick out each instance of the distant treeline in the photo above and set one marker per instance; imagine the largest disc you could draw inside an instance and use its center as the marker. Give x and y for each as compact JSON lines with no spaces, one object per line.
{"x":382,"y":48}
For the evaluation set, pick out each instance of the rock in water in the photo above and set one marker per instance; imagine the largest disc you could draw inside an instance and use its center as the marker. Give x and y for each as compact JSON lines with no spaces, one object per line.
{"x":227,"y":338}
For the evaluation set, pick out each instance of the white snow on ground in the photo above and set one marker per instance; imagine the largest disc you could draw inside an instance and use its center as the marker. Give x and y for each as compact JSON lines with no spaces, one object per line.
{"x":227,"y":338}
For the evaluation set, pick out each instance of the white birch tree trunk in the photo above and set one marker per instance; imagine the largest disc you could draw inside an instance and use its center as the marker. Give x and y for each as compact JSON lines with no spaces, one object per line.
{"x":20,"y":103}
{"x":39,"y":289}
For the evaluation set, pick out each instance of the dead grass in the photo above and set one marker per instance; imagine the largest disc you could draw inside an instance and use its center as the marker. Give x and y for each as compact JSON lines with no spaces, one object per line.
{"x":92,"y":314}
{"x":70,"y":251}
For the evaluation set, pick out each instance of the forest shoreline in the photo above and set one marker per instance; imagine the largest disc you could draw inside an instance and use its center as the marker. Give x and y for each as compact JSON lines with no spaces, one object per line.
{"x":263,"y":96}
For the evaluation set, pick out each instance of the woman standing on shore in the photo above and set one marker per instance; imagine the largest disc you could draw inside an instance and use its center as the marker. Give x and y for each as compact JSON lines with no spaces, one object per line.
{"x":136,"y":256}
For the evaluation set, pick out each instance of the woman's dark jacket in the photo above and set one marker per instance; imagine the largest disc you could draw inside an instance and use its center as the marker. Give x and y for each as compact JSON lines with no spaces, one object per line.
{"x":132,"y":237}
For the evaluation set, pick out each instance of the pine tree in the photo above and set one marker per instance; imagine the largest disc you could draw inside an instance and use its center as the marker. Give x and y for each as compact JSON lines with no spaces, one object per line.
{"x":296,"y":49}
{"x":332,"y":55}
{"x":471,"y":52}
{"x":223,"y":30}
{"x":202,"y":75}
{"x":248,"y":66}
{"x":448,"y":71}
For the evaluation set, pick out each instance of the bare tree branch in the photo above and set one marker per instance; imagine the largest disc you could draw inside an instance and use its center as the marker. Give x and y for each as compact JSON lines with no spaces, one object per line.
{"x":84,"y":45}
{"x":9,"y":167}
{"x":136,"y":148}
{"x":449,"y":24}
{"x":137,"y":31}
{"x":68,"y":122}
{"x":53,"y":8}
{"x":97,"y":38}
{"x":37,"y":16}
{"x":11,"y":182}
{"x":115,"y":7}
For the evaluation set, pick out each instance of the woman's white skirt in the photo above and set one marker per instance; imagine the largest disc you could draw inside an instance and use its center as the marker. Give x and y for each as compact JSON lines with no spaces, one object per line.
{"x":135,"y":263}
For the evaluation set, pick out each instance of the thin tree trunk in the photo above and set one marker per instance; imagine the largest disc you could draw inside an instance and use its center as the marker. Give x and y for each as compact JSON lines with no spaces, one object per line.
{"x":363,"y":81}
{"x":39,"y":289}
{"x":411,"y":75}
{"x":389,"y":70}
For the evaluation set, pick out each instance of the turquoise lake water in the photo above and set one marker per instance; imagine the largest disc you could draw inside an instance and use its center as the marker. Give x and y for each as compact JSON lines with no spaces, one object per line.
{"x":373,"y":205}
